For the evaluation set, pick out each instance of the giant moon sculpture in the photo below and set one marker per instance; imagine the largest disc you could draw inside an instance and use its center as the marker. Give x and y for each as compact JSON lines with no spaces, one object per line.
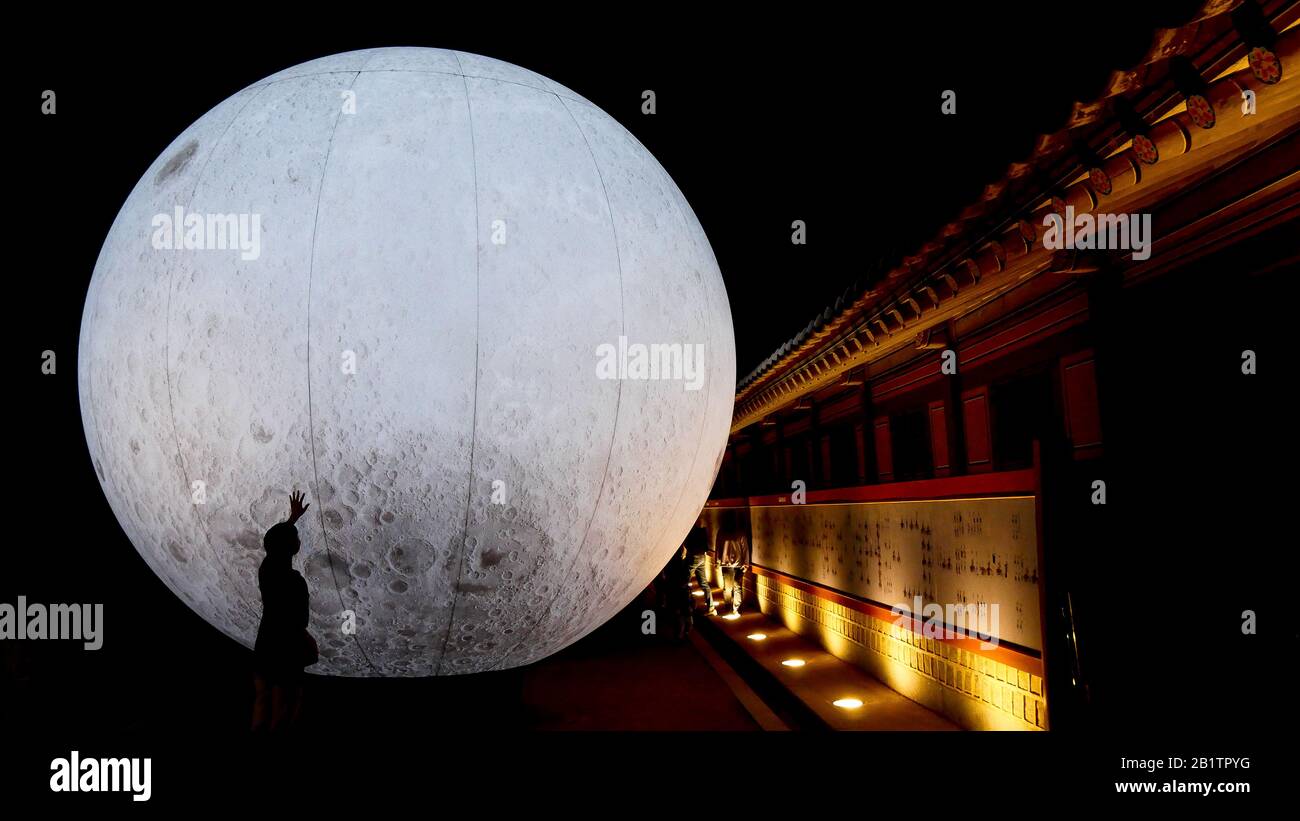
{"x":444,"y":244}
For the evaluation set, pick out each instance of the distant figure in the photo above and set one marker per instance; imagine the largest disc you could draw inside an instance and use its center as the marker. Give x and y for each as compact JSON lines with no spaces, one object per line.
{"x":284,"y":647}
{"x":733,"y":559}
{"x":673,"y":595}
{"x":697,"y":558}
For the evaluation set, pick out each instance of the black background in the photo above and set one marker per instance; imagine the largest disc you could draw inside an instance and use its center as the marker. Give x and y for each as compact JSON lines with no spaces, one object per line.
{"x":766,"y":115}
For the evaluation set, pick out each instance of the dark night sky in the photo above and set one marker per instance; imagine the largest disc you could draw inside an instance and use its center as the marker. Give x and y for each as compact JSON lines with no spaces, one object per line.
{"x":831,"y":120}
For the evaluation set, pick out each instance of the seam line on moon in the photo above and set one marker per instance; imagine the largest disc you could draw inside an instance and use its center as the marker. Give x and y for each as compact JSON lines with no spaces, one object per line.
{"x":473,"y":416}
{"x":704,"y":327}
{"x":311,"y":426}
{"x":618,"y":396}
{"x":167,"y":366}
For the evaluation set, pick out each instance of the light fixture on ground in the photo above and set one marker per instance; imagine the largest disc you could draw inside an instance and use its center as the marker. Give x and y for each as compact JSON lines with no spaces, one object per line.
{"x":793,"y":662}
{"x":756,"y":636}
{"x":848,"y":703}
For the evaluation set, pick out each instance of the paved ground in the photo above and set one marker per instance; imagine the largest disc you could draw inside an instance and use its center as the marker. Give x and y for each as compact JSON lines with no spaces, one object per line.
{"x":618,"y":679}
{"x":811,"y":690}
{"x":614,"y":679}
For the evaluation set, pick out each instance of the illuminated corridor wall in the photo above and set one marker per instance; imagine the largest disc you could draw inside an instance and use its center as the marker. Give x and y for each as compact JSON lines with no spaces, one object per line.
{"x":832,"y":571}
{"x":962,"y":551}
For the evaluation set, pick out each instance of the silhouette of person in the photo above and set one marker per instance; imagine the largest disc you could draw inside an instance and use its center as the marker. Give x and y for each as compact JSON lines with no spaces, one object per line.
{"x":697,"y":559}
{"x":283,"y":647}
{"x":733,"y":560}
{"x":673,"y":595}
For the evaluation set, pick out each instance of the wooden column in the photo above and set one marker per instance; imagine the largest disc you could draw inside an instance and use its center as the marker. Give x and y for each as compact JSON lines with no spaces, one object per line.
{"x":939,"y":449}
{"x":884,"y":449}
{"x":956,"y":417}
{"x":978,"y":430}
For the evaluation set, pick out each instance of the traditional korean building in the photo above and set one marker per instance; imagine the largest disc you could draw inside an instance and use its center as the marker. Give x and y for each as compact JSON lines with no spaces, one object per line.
{"x":983,"y":424}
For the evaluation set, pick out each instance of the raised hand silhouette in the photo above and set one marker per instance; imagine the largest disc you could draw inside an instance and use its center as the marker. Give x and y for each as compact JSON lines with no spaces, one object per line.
{"x":296,"y":507}
{"x":283,"y":647}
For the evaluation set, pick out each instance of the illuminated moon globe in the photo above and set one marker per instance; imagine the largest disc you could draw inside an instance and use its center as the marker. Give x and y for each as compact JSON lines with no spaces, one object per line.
{"x":457,"y":304}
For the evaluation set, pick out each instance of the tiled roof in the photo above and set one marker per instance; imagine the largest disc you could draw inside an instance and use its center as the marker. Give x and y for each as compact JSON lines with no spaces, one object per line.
{"x":1135,"y":97}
